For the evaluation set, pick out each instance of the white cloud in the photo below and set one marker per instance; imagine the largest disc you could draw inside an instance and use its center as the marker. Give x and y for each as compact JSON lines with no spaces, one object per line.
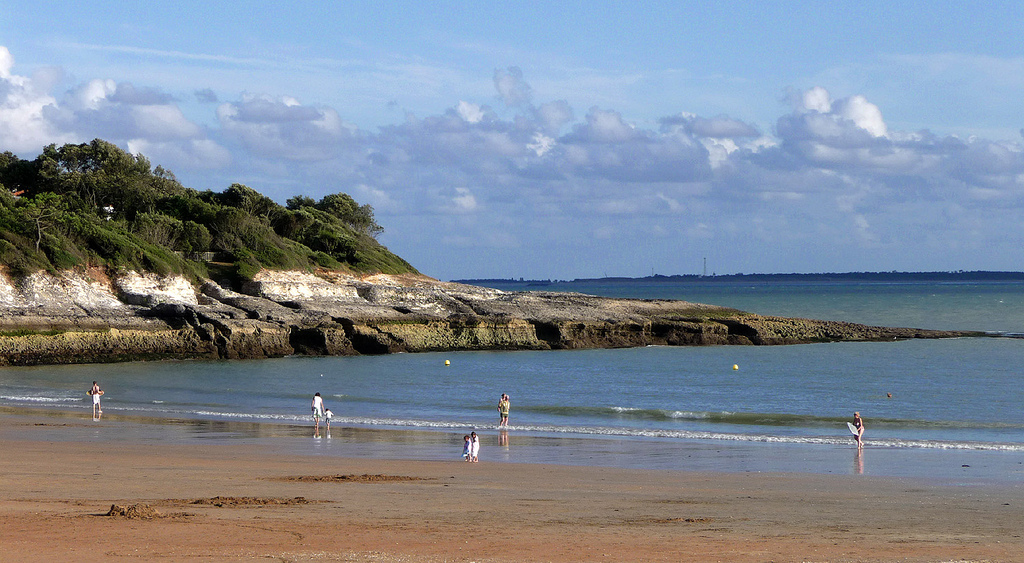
{"x":542,"y":144}
{"x":472,"y":113}
{"x":6,"y":62}
{"x":604,"y":126}
{"x":283,"y":128}
{"x":817,"y":99}
{"x":164,"y":121}
{"x":142,"y":119}
{"x":864,"y":114}
{"x":553,"y":116}
{"x":831,"y":173}
{"x":512,"y":89}
{"x":23,"y":123}
{"x":92,"y":94}
{"x":202,"y":154}
{"x":464,"y":200}
{"x":719,"y":127}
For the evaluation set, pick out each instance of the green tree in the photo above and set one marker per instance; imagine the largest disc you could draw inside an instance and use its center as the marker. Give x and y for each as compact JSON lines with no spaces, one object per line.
{"x":248,"y":200}
{"x":195,"y":237}
{"x":358,"y":217}
{"x":43,"y":213}
{"x":157,"y":229}
{"x":60,"y":220}
{"x":298,"y":202}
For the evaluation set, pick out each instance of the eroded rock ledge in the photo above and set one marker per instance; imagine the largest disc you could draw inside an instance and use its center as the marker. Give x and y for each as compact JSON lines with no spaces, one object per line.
{"x":87,"y":317}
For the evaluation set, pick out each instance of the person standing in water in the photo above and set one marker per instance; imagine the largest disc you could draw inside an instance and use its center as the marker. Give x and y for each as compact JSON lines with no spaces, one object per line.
{"x":503,"y":407}
{"x":97,"y":410}
{"x":474,"y":447}
{"x":318,"y":412}
{"x":858,"y":423}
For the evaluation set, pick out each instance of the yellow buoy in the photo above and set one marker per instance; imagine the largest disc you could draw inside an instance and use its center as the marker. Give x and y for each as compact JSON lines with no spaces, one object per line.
{"x":447,"y":363}
{"x":735,"y":366}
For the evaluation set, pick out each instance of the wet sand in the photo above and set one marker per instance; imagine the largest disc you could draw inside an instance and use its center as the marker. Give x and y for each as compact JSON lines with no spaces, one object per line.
{"x":217,"y":502}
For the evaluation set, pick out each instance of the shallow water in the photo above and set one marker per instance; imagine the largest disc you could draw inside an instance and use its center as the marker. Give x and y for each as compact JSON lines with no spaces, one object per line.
{"x":783,"y":409}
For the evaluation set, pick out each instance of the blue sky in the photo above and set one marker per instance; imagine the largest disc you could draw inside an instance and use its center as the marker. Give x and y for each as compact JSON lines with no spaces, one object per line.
{"x":565,"y":140}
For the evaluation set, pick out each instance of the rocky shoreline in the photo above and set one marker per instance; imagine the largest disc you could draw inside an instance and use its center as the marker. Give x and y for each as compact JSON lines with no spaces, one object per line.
{"x":88,"y":317}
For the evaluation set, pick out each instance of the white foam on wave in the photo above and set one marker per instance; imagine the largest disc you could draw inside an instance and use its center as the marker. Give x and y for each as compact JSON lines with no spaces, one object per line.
{"x":156,"y":408}
{"x":688,"y":415}
{"x":31,"y":399}
{"x":690,"y":435}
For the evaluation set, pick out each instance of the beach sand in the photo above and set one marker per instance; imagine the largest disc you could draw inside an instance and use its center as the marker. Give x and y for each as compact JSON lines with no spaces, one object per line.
{"x":219,"y":502}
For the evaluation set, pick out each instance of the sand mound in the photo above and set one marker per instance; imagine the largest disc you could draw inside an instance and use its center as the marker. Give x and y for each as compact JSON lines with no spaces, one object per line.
{"x":352,"y":478}
{"x":133,"y":512}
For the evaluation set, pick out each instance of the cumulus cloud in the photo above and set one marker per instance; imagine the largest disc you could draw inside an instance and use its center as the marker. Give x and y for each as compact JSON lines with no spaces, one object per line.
{"x":202,"y":154}
{"x":141,"y":119}
{"x":23,"y":102}
{"x":512,"y":88}
{"x":863,"y":114}
{"x":553,"y":116}
{"x":848,"y":133}
{"x":126,"y":93}
{"x":117,"y":112}
{"x":471,"y":113}
{"x":830,"y":172}
{"x":607,"y":146}
{"x":720,"y":127}
{"x":604,"y":126}
{"x":464,"y":199}
{"x":282,"y":127}
{"x":6,"y":62}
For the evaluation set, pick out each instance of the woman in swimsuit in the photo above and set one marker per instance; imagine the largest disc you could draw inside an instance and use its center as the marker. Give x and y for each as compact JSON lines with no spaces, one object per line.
{"x":858,"y":423}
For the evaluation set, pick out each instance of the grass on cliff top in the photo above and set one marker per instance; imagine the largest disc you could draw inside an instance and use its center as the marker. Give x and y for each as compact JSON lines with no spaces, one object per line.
{"x":94,"y":204}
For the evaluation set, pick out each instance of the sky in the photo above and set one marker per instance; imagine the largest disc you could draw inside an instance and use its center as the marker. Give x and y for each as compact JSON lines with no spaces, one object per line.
{"x":565,"y":140}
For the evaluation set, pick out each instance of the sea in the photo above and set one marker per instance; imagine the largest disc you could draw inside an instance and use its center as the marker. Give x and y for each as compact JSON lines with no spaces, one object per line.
{"x":948,"y":409}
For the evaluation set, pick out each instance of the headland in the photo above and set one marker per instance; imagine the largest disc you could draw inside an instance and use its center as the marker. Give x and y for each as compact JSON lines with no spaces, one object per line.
{"x":89,"y":317}
{"x":81,"y":317}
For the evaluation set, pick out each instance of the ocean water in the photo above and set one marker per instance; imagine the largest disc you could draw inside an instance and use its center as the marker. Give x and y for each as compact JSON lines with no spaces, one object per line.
{"x":947,"y":408}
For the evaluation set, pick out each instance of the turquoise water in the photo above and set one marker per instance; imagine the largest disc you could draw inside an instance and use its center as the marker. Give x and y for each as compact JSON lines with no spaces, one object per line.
{"x":784,"y":408}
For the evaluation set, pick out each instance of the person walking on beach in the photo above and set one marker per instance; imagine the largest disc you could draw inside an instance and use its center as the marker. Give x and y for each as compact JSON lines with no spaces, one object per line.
{"x":96,"y":392}
{"x":318,"y":412}
{"x":474,"y":447}
{"x":467,"y":448}
{"x":858,"y":423}
{"x":503,"y":407}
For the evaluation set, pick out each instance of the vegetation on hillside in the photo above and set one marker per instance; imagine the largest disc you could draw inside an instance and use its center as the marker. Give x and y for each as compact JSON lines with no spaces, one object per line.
{"x":94,"y":204}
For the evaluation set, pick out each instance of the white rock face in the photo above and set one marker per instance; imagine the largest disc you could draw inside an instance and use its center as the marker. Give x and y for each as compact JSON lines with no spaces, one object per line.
{"x":8,"y":294}
{"x":151,"y":289}
{"x":67,"y":291}
{"x":299,"y":286}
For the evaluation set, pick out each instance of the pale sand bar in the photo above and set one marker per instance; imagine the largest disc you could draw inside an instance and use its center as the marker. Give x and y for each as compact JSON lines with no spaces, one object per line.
{"x":55,"y":497}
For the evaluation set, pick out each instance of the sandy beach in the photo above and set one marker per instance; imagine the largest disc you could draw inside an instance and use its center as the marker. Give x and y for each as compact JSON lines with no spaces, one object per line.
{"x":248,"y":502}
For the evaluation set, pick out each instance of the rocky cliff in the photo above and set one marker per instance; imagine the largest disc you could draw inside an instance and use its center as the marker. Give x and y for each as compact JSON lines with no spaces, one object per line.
{"x":79,"y":317}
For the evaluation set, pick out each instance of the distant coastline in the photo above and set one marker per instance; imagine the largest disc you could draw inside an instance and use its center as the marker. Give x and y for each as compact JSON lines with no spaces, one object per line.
{"x":864,"y":277}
